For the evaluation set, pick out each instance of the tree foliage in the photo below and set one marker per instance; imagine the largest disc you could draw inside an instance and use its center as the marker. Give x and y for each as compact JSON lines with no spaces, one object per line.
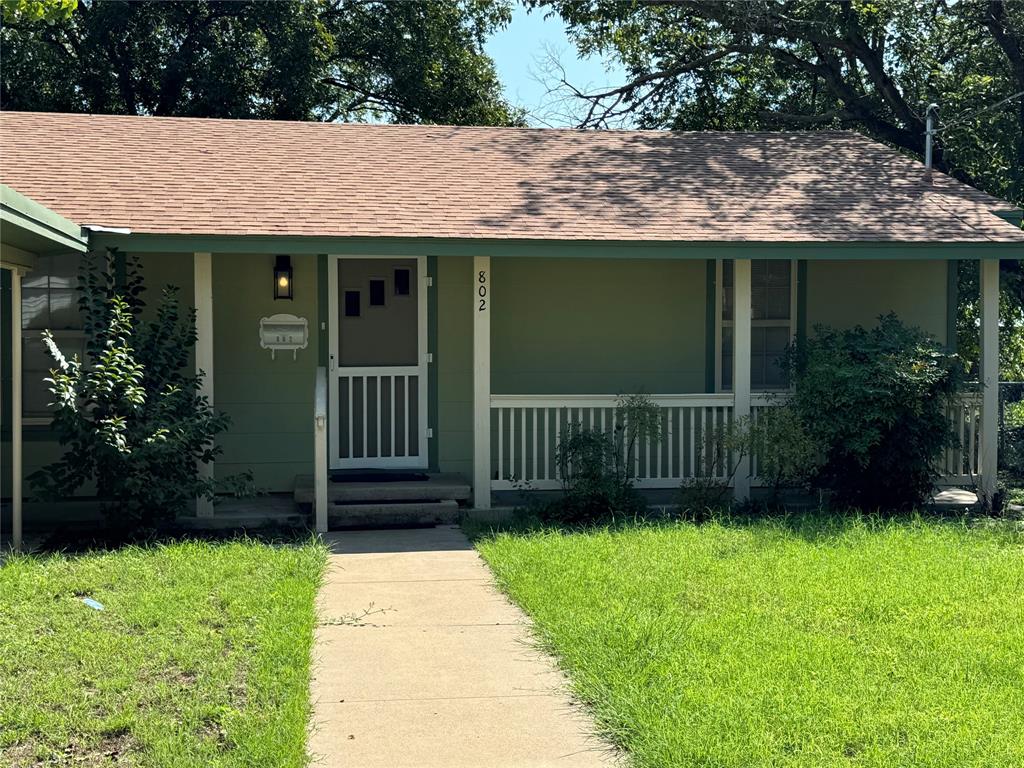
{"x":130,"y":415}
{"x":294,"y":60}
{"x":50,"y":11}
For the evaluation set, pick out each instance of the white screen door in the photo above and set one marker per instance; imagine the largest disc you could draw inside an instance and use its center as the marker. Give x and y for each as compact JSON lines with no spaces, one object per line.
{"x":378,"y":362}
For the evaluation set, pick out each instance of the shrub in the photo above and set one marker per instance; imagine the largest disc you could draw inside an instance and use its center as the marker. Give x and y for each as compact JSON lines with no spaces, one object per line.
{"x":131,"y":416}
{"x":1012,"y":456}
{"x":876,"y":402}
{"x":787,"y":454}
{"x":717,"y":455}
{"x":596,"y":466}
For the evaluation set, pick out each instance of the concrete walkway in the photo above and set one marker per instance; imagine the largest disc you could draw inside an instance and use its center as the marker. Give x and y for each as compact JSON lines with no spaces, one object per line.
{"x":439,"y":670}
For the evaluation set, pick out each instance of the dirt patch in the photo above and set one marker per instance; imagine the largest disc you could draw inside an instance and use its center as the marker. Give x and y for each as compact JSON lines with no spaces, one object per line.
{"x":110,"y":749}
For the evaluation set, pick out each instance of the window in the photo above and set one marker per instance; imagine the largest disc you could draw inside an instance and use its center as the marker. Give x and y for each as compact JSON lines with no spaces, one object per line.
{"x":402,"y":282}
{"x":377,"y":293}
{"x":49,"y":300}
{"x":773,"y":308}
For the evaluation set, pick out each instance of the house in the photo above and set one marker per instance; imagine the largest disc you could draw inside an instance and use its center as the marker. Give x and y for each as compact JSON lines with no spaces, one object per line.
{"x":457,"y":295}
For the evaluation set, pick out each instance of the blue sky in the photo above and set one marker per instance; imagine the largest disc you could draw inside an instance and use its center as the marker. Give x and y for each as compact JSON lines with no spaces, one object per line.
{"x":518,"y":52}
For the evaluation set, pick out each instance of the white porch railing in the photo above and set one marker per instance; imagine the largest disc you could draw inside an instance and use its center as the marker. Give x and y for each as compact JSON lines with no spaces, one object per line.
{"x":526,"y":430}
{"x":962,"y":465}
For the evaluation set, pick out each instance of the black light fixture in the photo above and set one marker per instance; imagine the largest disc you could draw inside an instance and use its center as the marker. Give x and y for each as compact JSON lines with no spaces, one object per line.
{"x":283,"y":278}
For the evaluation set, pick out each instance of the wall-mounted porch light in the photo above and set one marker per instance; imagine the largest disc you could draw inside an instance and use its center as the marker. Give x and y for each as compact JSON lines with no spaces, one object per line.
{"x":283,"y":278}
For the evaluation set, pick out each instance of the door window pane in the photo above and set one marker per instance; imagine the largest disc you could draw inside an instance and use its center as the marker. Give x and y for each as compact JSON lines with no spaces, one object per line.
{"x":402,"y":282}
{"x":376,"y":293}
{"x":351,"y":303}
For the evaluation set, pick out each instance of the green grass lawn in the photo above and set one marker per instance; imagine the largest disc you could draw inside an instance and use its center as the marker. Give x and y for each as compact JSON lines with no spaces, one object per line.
{"x":796,"y":643}
{"x":200,"y":658}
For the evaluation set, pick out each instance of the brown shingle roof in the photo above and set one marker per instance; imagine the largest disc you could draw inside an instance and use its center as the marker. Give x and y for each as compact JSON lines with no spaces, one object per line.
{"x":235,"y":177}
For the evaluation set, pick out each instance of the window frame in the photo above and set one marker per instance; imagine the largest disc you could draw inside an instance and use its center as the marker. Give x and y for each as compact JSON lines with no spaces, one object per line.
{"x":721,"y":323}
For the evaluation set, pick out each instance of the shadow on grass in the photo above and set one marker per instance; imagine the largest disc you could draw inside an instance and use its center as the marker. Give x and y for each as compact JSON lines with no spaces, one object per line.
{"x":809,"y":525}
{"x":77,"y":541}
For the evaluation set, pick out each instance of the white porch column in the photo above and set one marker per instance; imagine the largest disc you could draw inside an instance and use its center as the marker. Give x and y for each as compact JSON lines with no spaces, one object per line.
{"x":989,"y":279}
{"x":742,"y":315}
{"x":16,"y":460}
{"x":482,"y":382}
{"x":203,"y":276}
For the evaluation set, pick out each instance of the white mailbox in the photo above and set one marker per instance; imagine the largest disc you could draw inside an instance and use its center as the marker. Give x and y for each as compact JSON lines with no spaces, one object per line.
{"x":284,"y":332}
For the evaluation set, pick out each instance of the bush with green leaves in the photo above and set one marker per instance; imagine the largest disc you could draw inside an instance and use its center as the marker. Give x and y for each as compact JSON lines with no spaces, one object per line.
{"x":597,"y":467}
{"x":130,"y":415}
{"x":1012,"y":457}
{"x":876,"y":402}
{"x":786,"y":454}
{"x":718,"y":452}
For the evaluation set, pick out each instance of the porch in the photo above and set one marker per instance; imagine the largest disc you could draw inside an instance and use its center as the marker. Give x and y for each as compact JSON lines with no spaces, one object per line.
{"x":702,"y":337}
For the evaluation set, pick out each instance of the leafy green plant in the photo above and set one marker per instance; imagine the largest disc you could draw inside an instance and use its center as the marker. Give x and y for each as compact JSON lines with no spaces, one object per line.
{"x":718,"y":454}
{"x":597,"y":467}
{"x":1012,"y":457}
{"x":130,"y":415}
{"x":876,"y":401}
{"x":786,"y":454}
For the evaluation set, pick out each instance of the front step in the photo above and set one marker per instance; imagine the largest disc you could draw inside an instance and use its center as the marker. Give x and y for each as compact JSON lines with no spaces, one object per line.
{"x":435,"y":488}
{"x":395,"y":514}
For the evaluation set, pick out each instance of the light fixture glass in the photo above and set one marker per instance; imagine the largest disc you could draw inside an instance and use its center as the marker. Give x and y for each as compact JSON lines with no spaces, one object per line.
{"x":283,"y":278}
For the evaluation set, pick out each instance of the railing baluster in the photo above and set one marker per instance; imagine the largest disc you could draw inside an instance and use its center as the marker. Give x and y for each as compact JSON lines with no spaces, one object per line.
{"x":351,"y":426}
{"x":393,"y":417}
{"x":501,"y":442}
{"x":537,"y":440}
{"x":522,"y":436}
{"x":366,"y":413}
{"x":693,"y":437}
{"x":661,"y":439}
{"x":558,"y":440}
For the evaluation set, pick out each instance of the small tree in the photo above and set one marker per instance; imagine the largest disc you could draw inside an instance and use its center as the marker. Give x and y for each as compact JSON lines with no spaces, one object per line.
{"x":130,"y":415}
{"x":876,"y":401}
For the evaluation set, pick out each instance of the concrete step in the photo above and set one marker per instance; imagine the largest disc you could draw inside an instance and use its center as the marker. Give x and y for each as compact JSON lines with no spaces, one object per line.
{"x":436,"y":487}
{"x":392,"y":514}
{"x":244,"y":520}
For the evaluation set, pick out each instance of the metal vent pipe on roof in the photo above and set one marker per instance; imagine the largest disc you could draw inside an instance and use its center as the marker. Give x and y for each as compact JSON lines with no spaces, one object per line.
{"x":929,"y":136}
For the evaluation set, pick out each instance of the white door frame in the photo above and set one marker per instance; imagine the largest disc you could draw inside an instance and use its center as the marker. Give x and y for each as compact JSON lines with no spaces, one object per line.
{"x":335,"y":371}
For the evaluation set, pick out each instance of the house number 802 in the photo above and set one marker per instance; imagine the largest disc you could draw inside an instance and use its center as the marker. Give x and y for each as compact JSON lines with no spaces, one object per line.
{"x":481,"y":290}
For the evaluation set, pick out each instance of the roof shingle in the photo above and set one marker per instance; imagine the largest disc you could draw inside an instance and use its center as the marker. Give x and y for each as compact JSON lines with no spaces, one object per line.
{"x":237,"y":177}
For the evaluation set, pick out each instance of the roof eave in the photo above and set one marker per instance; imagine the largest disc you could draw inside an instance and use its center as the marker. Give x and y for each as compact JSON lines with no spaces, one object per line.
{"x":34,"y":227}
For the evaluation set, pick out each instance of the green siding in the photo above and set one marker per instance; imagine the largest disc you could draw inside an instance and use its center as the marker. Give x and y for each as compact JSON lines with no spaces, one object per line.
{"x":847,"y":293}
{"x":597,"y":327}
{"x":270,"y":402}
{"x":453,"y":281}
